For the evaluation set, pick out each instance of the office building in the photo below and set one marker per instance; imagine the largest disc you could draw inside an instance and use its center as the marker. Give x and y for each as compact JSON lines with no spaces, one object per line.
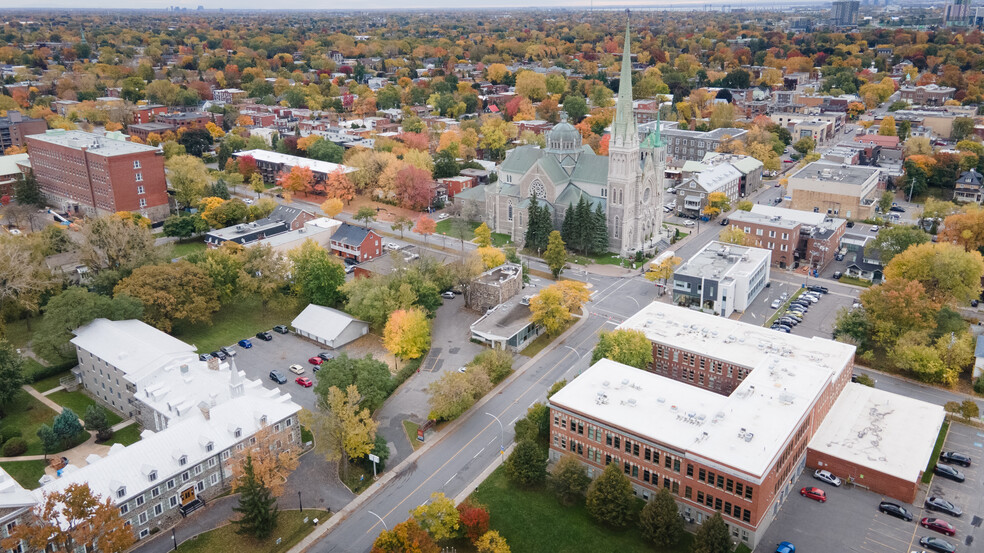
{"x":791,"y":235}
{"x":14,"y":127}
{"x":722,"y":278}
{"x":843,"y":191}
{"x":844,"y":13}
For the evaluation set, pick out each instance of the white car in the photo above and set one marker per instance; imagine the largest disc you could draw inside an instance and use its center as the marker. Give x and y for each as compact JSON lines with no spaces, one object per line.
{"x":776,"y":303}
{"x":297,"y":369}
{"x":874,"y":228}
{"x":248,"y":201}
{"x":443,"y":216}
{"x":825,"y":476}
{"x":15,"y":232}
{"x":689,"y":223}
{"x":392,"y":246}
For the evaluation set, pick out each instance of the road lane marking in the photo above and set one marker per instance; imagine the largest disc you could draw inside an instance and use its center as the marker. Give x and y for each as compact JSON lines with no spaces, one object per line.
{"x":512,"y":422}
{"x":450,"y":479}
{"x":493,"y":439}
{"x":479,"y":452}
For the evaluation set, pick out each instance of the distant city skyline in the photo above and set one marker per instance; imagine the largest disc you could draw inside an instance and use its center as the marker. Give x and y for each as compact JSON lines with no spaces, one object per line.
{"x":262,"y":5}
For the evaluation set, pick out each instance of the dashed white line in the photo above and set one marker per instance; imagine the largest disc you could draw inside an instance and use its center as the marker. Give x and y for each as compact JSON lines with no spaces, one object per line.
{"x":513,"y":421}
{"x":450,"y":479}
{"x":479,"y":452}
{"x":492,"y":441}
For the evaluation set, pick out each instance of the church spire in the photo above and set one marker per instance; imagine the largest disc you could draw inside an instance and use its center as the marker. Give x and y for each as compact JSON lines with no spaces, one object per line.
{"x":624,"y":130}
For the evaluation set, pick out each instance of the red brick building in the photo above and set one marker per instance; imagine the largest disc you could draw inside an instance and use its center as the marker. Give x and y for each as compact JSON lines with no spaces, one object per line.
{"x":146,"y":114}
{"x":143,"y":130}
{"x":187,"y":120}
{"x":792,"y":235}
{"x":456,"y":184}
{"x":14,"y":127}
{"x":358,"y":243}
{"x":90,"y":174}
{"x":722,"y":419}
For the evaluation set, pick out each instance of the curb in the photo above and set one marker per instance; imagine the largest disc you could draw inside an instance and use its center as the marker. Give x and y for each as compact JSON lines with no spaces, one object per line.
{"x":344,"y":513}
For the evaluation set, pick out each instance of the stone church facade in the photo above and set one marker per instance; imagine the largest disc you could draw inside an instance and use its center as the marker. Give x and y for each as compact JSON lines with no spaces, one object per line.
{"x":627,"y":184}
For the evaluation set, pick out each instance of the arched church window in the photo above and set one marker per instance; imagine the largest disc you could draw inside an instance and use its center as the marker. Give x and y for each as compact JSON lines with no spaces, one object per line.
{"x":537,"y":190}
{"x":645,"y":196}
{"x":621,"y":197}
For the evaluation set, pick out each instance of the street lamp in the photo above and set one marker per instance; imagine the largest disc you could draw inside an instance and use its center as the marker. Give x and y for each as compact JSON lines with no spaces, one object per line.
{"x":380,"y":519}
{"x":502,"y":446}
{"x":174,"y":539}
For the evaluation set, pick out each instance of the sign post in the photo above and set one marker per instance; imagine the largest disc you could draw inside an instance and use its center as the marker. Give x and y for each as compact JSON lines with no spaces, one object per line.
{"x":374,"y":459}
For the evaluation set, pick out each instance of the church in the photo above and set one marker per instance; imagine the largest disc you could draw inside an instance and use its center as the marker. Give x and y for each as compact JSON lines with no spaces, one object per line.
{"x":627,"y":184}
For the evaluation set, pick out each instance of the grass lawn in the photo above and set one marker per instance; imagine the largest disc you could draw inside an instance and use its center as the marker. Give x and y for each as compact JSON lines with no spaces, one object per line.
{"x":291,"y":529}
{"x":236,"y":321}
{"x":182,"y":249}
{"x":358,"y":479}
{"x":444,"y":227}
{"x":79,"y":402}
{"x":52,"y":381}
{"x":855,"y":281}
{"x":126,"y":435}
{"x":17,"y":332}
{"x":533,"y":521}
{"x":27,"y":415}
{"x":26,"y":473}
{"x":499,"y":239}
{"x":411,"y":429}
{"x":928,"y":474}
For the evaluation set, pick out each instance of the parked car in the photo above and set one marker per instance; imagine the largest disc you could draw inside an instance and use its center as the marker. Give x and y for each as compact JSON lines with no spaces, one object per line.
{"x":816,"y":288}
{"x":776,"y":304}
{"x":838,"y":257}
{"x":794,"y":314}
{"x":245,"y":343}
{"x":788,"y":321}
{"x":850,"y":224}
{"x":941,"y":505}
{"x":837,"y":275}
{"x":349,"y":269}
{"x":874,"y":228}
{"x":281,"y":329}
{"x":442,"y":216}
{"x":809,"y":299}
{"x":781,"y":328}
{"x":826,"y":476}
{"x":938,"y":525}
{"x":296,"y":369}
{"x":264,"y":335}
{"x":814,"y":493}
{"x":350,"y":261}
{"x":462,"y":369}
{"x":204,"y":356}
{"x":895,"y":510}
{"x":304,"y":381}
{"x":449,"y":295}
{"x":897,"y":209}
{"x":326,"y":355}
{"x":278,"y":376}
{"x":724,"y":222}
{"x":946,"y":471}
{"x":229,"y":350}
{"x":955,"y":458}
{"x":785,"y":547}
{"x":689,"y":223}
{"x":939,"y":545}
{"x":316,"y":360}
{"x":221,"y":355}
{"x":392,"y":246}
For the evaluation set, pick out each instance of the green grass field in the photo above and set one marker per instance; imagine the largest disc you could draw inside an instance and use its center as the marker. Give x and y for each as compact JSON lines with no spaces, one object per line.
{"x":26,"y":473}
{"x":79,"y":402}
{"x":855,"y":281}
{"x":126,"y":435}
{"x":291,"y":529}
{"x":51,"y":382}
{"x":498,"y":239}
{"x":236,"y":321}
{"x":411,"y":428}
{"x":18,"y":333}
{"x":27,"y":415}
{"x":533,"y":521}
{"x":182,"y":249}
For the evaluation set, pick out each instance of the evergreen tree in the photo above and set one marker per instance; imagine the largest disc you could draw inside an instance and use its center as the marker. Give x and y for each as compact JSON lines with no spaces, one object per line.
{"x":256,"y":505}
{"x":610,"y":498}
{"x":582,"y":226}
{"x":27,"y":191}
{"x":660,"y":520}
{"x":538,"y":226}
{"x":531,"y":237}
{"x":527,"y":464}
{"x":712,"y":536}
{"x":96,"y":421}
{"x":67,"y":427}
{"x":599,"y":232}
{"x":567,"y":228}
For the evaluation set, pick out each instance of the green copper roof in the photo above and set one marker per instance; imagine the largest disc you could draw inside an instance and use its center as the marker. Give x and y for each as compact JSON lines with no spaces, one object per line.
{"x":654,"y":140}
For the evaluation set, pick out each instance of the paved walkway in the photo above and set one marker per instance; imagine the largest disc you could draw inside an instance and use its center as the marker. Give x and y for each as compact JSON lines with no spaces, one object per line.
{"x":43,"y":399}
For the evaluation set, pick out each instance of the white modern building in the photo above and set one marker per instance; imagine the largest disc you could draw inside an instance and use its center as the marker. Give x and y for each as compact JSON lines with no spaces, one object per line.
{"x":722,"y":278}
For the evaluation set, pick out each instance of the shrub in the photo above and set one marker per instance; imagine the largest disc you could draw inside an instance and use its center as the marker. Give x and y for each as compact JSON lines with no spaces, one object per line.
{"x":497,"y":363}
{"x":14,"y":447}
{"x":979,"y":385}
{"x":8,"y":433}
{"x":866,"y":380}
{"x":951,"y":407}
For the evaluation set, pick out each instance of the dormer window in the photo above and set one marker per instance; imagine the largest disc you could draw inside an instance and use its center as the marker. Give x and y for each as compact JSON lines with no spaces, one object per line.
{"x":152,"y":476}
{"x":263,"y":420}
{"x":121,"y":492}
{"x":183,"y":460}
{"x":209,"y":446}
{"x":238,"y":433}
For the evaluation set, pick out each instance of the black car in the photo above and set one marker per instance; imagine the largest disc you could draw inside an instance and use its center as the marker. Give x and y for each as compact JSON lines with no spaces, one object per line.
{"x":350,"y":261}
{"x":897,"y":209}
{"x":955,"y":458}
{"x":788,"y":321}
{"x":895,"y":510}
{"x":839,"y":257}
{"x":850,"y":224}
{"x":277,"y":376}
{"x":941,"y":505}
{"x":326,"y":355}
{"x":837,"y":275}
{"x":800,"y":303}
{"x":264,"y":335}
{"x":781,"y":328}
{"x":937,"y":544}
{"x":946,"y":471}
{"x":281,"y":329}
{"x":220,"y":354}
{"x":204,"y":356}
{"x":815,"y":288}
{"x":724,"y":222}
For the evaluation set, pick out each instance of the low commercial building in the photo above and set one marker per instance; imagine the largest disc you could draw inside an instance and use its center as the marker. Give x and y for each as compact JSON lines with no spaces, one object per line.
{"x":15,"y":127}
{"x":494,"y":287}
{"x":146,"y":113}
{"x":507,"y":326}
{"x":185,"y":119}
{"x":927,"y":95}
{"x":878,"y":440}
{"x":90,"y":174}
{"x":143,"y":130}
{"x":272,"y":164}
{"x":722,"y":278}
{"x":229,"y":95}
{"x":790,"y":234}
{"x":281,"y":220}
{"x":844,"y":191}
{"x":328,"y":326}
{"x":722,"y":419}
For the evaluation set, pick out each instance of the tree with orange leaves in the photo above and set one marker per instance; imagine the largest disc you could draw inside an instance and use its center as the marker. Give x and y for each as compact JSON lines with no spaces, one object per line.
{"x":298,"y":179}
{"x":244,"y":121}
{"x":425,"y":226}
{"x":273,"y":460}
{"x":70,"y":519}
{"x":304,"y":143}
{"x":339,"y":186}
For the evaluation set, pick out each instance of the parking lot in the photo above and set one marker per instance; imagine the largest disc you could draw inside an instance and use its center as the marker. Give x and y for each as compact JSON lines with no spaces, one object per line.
{"x":850,"y":521}
{"x":819,"y":319}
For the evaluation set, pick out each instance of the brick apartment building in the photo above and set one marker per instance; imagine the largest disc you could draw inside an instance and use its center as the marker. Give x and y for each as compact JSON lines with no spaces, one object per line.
{"x":928,"y":95}
{"x":709,"y":427}
{"x":146,"y":114}
{"x":790,"y":234}
{"x":143,"y":130}
{"x":354,"y":242}
{"x":186,"y":120}
{"x":90,"y":174}
{"x":15,"y":126}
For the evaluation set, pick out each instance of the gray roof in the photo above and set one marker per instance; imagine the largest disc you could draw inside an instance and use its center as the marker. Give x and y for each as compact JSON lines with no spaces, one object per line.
{"x":979,"y":350}
{"x":572,"y":195}
{"x":476,"y":193}
{"x":281,"y":214}
{"x":350,"y":234}
{"x":519,"y":160}
{"x":324,"y":322}
{"x":97,"y":144}
{"x":132,"y":346}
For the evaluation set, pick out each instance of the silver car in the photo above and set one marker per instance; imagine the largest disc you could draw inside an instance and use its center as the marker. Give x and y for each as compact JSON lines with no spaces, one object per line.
{"x":826,"y":476}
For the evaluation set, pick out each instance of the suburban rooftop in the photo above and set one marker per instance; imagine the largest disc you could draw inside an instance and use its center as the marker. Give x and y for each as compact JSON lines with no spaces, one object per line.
{"x":827,"y":170}
{"x":96,"y":144}
{"x":717,"y":260}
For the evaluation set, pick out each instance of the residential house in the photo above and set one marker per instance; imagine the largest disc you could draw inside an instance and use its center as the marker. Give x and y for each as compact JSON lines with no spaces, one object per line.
{"x":692,"y":193}
{"x":281,"y":220}
{"x":354,"y":242}
{"x":966,"y":189}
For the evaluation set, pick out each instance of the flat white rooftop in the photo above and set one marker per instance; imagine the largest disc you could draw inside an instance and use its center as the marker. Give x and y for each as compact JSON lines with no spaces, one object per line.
{"x":879,"y":430}
{"x":291,"y":161}
{"x":718,"y":261}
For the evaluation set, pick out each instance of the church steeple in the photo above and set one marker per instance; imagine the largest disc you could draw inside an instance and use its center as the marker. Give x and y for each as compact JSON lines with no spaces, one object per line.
{"x":625,"y":131}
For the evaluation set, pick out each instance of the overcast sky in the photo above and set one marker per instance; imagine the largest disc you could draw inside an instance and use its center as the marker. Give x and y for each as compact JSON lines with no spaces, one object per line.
{"x":364,"y":4}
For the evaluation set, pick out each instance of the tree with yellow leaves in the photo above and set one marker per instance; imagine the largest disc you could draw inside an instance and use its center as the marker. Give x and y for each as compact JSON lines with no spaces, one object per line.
{"x":483,"y":236}
{"x":342,"y":429}
{"x":214,"y":130}
{"x":332,"y":207}
{"x":207,"y":207}
{"x":407,"y":333}
{"x":274,"y":459}
{"x":663,"y":270}
{"x":492,"y":542}
{"x":491,"y":257}
{"x":734,"y":235}
{"x":554,"y":307}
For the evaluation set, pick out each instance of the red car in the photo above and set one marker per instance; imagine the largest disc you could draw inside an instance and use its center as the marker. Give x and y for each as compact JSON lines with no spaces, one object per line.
{"x":316,"y":360}
{"x":304,"y":381}
{"x":814,"y":493}
{"x":939,"y":525}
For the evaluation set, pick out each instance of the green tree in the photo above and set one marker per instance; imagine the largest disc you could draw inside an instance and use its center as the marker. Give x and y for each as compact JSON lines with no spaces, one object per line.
{"x":371,"y":376}
{"x":326,"y":150}
{"x":598,"y":243}
{"x":556,"y":254}
{"x":455,"y":392}
{"x":439,"y":517}
{"x":885,"y":201}
{"x":257,"y":506}
{"x":189,"y":178}
{"x":365,"y":214}
{"x":402,"y":224}
{"x":949,"y":273}
{"x":27,"y":191}
{"x":712,"y":536}
{"x":962,"y":128}
{"x":496,"y":363}
{"x":805,"y":145}
{"x":96,"y":421}
{"x":527,"y":464}
{"x":11,"y":373}
{"x":318,"y":275}
{"x":609,"y":499}
{"x":225,"y":267}
{"x":629,"y":347}
{"x":660,"y":520}
{"x":569,"y":479}
{"x":67,"y":427}
{"x":539,"y":225}
{"x":50,"y":442}
{"x":184,"y":226}
{"x":171,"y":292}
{"x":576,"y":107}
{"x":895,"y":240}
